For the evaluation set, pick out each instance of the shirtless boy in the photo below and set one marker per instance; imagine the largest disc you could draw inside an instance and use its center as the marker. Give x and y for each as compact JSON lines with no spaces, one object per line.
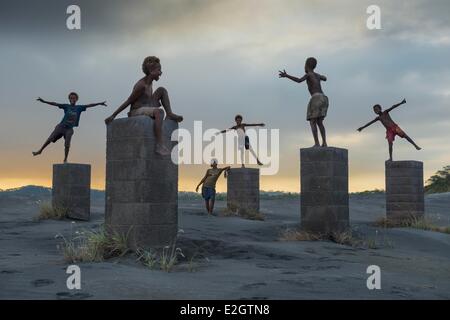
{"x":209,"y":185}
{"x":318,"y":104}
{"x":392,"y":129}
{"x":243,"y":140}
{"x":145,"y":101}
{"x":70,"y":120}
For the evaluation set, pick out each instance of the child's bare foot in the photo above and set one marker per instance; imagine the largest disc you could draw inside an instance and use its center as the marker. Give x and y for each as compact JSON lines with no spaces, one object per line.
{"x":175,"y":117}
{"x":324,"y":144}
{"x":316,"y":145}
{"x":259,"y":163}
{"x":418,"y":148}
{"x":36,"y":153}
{"x":162,"y":150}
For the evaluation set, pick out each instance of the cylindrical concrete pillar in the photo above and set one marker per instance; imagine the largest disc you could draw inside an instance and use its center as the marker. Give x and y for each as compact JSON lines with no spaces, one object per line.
{"x":243,"y":189}
{"x":324,"y":189}
{"x":71,"y":189}
{"x":141,"y":185}
{"x":404,"y":189}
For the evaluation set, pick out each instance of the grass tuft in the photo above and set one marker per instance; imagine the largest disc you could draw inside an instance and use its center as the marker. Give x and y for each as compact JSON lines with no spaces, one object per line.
{"x":164,"y":259}
{"x":93,"y":246}
{"x":48,"y":211}
{"x":344,"y":238}
{"x":234,"y":211}
{"x":411,"y":222}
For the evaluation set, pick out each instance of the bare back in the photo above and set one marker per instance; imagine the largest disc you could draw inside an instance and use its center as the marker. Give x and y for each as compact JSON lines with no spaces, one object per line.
{"x":313,"y":82}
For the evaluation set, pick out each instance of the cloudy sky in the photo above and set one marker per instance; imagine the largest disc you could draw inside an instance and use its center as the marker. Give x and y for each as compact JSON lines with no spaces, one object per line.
{"x":221,"y":58}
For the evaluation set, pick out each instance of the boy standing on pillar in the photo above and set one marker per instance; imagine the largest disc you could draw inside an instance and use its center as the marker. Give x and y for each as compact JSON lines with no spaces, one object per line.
{"x":70,"y":120}
{"x":318,"y":104}
{"x":392,"y":129}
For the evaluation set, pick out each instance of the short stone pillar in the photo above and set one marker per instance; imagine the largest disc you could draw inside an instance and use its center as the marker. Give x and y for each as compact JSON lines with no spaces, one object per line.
{"x":141,"y":185}
{"x":324,"y":190}
{"x":404,"y":189}
{"x":243,"y":190}
{"x":71,"y":189}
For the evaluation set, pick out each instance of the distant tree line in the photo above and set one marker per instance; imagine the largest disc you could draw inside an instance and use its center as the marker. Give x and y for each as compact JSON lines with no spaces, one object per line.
{"x":439,"y":182}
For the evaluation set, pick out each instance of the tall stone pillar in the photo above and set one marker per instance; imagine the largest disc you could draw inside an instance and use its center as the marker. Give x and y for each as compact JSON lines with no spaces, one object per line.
{"x":71,"y":189}
{"x":141,"y":185}
{"x":243,"y":189}
{"x":404,"y":189}
{"x":324,"y":189}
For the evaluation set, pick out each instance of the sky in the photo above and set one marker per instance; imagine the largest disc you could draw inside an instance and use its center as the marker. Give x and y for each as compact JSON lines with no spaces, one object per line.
{"x":221,"y":58}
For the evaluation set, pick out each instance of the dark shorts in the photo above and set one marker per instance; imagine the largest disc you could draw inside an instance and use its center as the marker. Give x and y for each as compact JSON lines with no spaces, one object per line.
{"x":208,"y":193}
{"x":61,"y":131}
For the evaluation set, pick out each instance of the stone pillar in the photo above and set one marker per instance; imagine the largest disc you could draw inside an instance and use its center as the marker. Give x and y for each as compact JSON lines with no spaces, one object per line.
{"x":404,"y":189}
{"x":72,"y":189}
{"x":243,"y":189}
{"x":324,"y":189}
{"x":141,"y":185}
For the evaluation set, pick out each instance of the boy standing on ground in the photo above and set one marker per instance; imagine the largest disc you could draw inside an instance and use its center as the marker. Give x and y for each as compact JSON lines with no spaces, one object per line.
{"x":209,"y":185}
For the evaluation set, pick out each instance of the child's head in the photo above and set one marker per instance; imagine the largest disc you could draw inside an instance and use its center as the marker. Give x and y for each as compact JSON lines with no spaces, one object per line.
{"x":310,"y":64}
{"x":73,"y":97}
{"x":238,"y":119}
{"x":214,"y":163}
{"x":152,"y":67}
{"x":377,"y":109}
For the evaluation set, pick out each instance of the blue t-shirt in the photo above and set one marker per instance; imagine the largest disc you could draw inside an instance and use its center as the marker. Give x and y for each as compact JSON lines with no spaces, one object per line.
{"x":71,"y":114}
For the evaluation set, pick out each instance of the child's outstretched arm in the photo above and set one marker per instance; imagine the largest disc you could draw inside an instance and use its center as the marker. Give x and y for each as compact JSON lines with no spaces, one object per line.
{"x":396,"y":105}
{"x":48,"y":102}
{"x":368,"y":124}
{"x":254,"y":124}
{"x":223,"y":131}
{"x":322,"y":77}
{"x":137,"y":92}
{"x":90,"y":105}
{"x":283,"y":74}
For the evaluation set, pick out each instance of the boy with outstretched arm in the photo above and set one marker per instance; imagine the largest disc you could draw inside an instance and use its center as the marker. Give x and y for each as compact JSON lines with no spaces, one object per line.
{"x":71,"y":119}
{"x":243,"y":139}
{"x":392,"y":129}
{"x":318,"y":104}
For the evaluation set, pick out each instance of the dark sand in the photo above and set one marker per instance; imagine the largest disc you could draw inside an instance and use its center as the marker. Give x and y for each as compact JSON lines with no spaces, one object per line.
{"x":235,"y":258}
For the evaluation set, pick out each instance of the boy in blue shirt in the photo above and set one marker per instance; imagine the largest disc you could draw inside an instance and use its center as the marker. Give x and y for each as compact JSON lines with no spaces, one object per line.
{"x":70,"y":120}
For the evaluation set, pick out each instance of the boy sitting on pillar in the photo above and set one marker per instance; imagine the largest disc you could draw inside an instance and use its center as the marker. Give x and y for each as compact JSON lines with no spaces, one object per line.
{"x":145,"y":101}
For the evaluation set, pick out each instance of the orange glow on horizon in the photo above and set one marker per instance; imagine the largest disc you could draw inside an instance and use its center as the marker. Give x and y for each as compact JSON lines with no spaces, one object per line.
{"x":189,"y":184}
